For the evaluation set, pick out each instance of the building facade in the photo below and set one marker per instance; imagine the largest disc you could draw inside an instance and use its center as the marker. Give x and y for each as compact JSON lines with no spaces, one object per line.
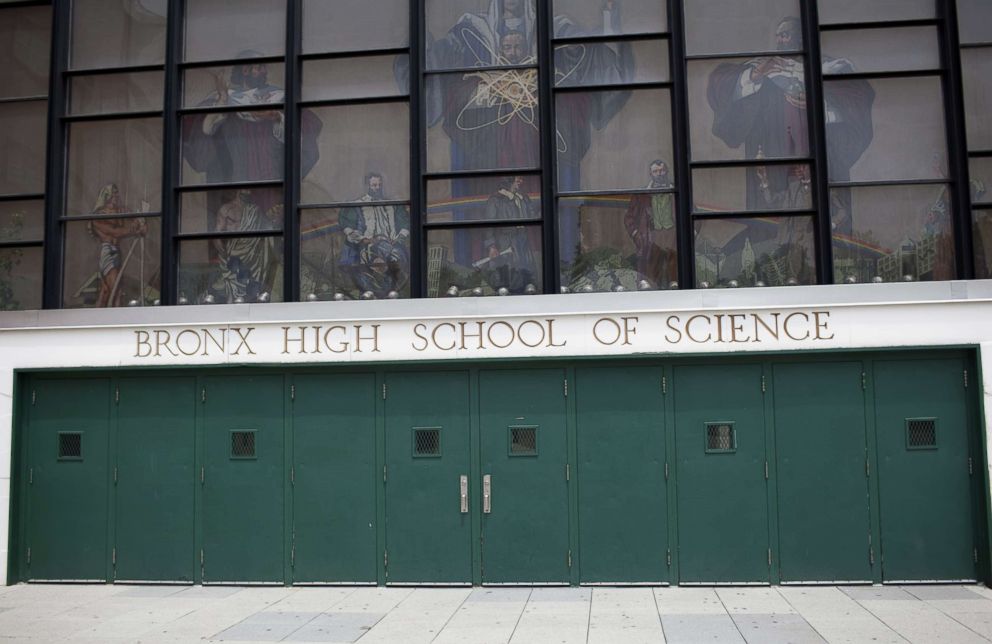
{"x":495,"y":291}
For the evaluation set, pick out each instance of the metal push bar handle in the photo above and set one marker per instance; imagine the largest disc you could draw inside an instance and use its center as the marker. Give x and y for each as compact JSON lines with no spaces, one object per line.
{"x":487,"y":494}
{"x":463,"y":489}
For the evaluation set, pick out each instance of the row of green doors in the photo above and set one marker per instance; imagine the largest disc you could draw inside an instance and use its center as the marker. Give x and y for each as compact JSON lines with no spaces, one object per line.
{"x":732,"y":472}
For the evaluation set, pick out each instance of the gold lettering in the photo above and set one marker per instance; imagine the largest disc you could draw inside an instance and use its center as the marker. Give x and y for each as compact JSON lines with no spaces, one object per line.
{"x":434,"y":336}
{"x":179,"y":341}
{"x":629,"y":330}
{"x":595,"y":331}
{"x":138,"y":335}
{"x":668,"y":323}
{"x":478,"y":335}
{"x":719,"y":328}
{"x":316,"y":338}
{"x":688,"y":329}
{"x":374,"y":338}
{"x":737,"y":326}
{"x":489,"y":334}
{"x":342,"y":346}
{"x":159,"y":343}
{"x":243,"y":336}
{"x":785,"y":325}
{"x":417,"y":328}
{"x":286,"y":339}
{"x":520,"y":333}
{"x":821,"y":325}
{"x":207,"y":335}
{"x":551,"y":335}
{"x":759,"y":321}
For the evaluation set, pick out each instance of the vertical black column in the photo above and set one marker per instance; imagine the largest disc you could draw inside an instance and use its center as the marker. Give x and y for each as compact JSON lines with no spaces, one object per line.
{"x":549,"y":173}
{"x":680,"y":146}
{"x":957,"y":147}
{"x":55,"y":156}
{"x":291,"y":153}
{"x":816,"y":115}
{"x":171,"y":153}
{"x":418,"y":132}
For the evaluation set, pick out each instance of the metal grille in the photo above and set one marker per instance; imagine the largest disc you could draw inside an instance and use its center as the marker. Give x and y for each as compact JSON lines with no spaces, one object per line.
{"x":427,"y":442}
{"x":720,"y":437}
{"x":243,"y":444}
{"x":921,"y":432}
{"x":70,"y":445}
{"x":523,"y":441}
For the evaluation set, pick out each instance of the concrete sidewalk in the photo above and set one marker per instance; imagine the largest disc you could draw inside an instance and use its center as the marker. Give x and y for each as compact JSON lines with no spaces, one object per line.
{"x":117,"y":614}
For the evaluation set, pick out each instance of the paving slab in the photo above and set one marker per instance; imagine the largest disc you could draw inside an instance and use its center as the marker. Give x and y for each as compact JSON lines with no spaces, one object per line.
{"x":689,"y":601}
{"x":776,"y":628}
{"x":760,"y":601}
{"x":700,"y":628}
{"x":624,"y":615}
{"x":837,"y":617}
{"x":487,"y":616}
{"x":335,"y":627}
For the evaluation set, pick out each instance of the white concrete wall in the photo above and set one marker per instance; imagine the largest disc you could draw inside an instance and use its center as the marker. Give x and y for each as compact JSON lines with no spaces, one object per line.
{"x":852,"y":317}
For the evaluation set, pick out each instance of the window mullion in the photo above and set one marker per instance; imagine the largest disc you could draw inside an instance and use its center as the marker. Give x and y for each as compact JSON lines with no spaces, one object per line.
{"x":56,"y":153}
{"x":549,"y":182}
{"x":171,"y":152}
{"x":680,"y":147}
{"x":291,"y":153}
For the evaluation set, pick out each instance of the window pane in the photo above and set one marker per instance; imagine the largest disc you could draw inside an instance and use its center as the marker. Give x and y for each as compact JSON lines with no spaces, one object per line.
{"x":355,"y":25}
{"x":885,"y":129}
{"x":473,"y":33}
{"x":980,"y":171}
{"x":983,"y":243}
{"x":112,"y":262}
{"x":22,"y":221}
{"x":348,"y":252}
{"x":20,"y":278}
{"x":769,"y":251}
{"x":976,"y":72}
{"x":611,"y":63}
{"x":836,"y":11}
{"x":24,"y":51}
{"x":974,"y":21}
{"x":608,"y":140}
{"x":748,"y":109}
{"x":117,"y":33}
{"x":764,"y":188}
{"x":481,"y":261}
{"x":221,"y":147}
{"x":618,"y":242}
{"x":116,"y":93}
{"x":481,"y":198}
{"x":231,"y":210}
{"x":222,"y":29}
{"x":249,"y":84}
{"x":231,"y":270}
{"x":892,"y":232}
{"x":358,"y":77}
{"x":742,"y":26}
{"x":115,"y":166}
{"x":483,"y":121}
{"x":632,"y":17}
{"x":880,"y":50}
{"x":355,"y":142}
{"x":22,"y":140}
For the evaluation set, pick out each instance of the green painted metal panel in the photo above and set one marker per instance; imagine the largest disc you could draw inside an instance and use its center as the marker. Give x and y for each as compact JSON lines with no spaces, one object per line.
{"x":156,"y":480}
{"x":722,"y":496}
{"x":823,"y":498}
{"x":334,"y":489}
{"x":428,"y":537}
{"x":522,"y":424}
{"x":243,"y":534}
{"x":623,"y":523}
{"x":924,"y":489}
{"x":68,"y":481}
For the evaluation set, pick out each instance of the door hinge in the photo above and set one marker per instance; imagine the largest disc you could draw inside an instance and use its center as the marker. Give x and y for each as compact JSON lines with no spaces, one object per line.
{"x":864,"y":380}
{"x":871,"y":555}
{"x":867,"y":468}
{"x":568,"y":472}
{"x":383,"y":391}
{"x":766,"y":470}
{"x":292,"y":475}
{"x":202,"y":474}
{"x":971,"y":466}
{"x":666,"y":470}
{"x":115,"y":475}
{"x":203,"y":394}
{"x":664,"y":385}
{"x":569,"y":557}
{"x":34,"y":396}
{"x":974,"y":554}
{"x":566,"y":387}
{"x":117,"y":394}
{"x":383,"y":473}
{"x":30,"y":476}
{"x":292,"y":556}
{"x":763,"y":387}
{"x":769,"y":556}
{"x":201,"y":557}
{"x":668,"y":557}
{"x":965,"y":378}
{"x":385,"y":559}
{"x":113,"y":556}
{"x":292,"y":392}
{"x":29,"y":555}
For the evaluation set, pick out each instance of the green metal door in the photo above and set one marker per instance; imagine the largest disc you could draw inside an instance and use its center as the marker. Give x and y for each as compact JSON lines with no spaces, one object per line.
{"x":824,"y":523}
{"x":155,"y":480}
{"x":623,"y":507}
{"x":428,"y":528}
{"x":923,"y":460}
{"x":68,"y":480}
{"x":334,"y":473}
{"x":525,"y":508}
{"x":721,"y":487}
{"x":244,"y":477}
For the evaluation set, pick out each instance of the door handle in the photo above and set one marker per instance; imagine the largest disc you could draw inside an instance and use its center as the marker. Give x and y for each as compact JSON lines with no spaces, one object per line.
{"x":463,"y":489}
{"x":487,"y":494}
